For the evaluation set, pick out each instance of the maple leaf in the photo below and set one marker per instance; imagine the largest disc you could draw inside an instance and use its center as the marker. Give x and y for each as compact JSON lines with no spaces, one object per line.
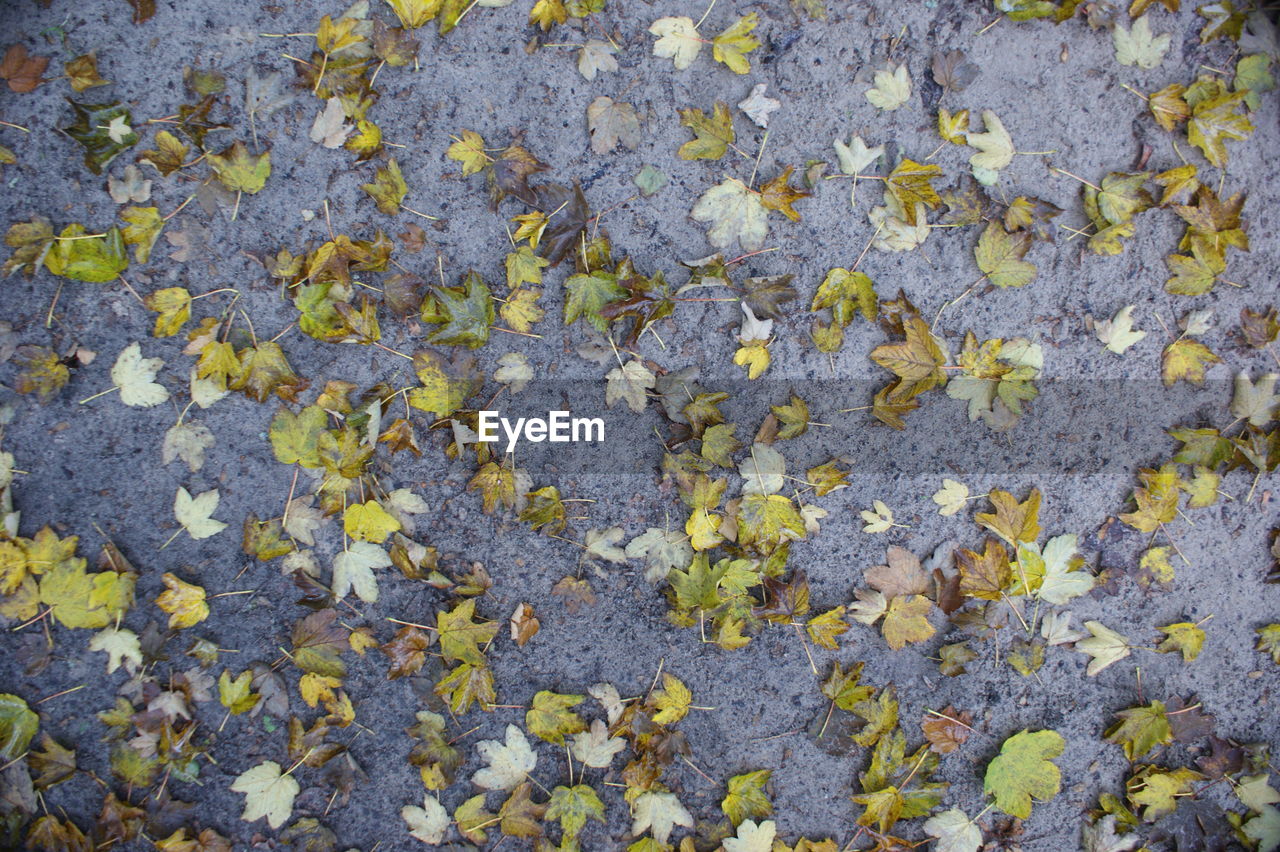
{"x":572,"y":806}
{"x":906,"y":621}
{"x":135,"y":378}
{"x":909,"y":185}
{"x":18,"y":724}
{"x":264,"y":370}
{"x":951,"y":498}
{"x":387,"y":189}
{"x":53,"y":763}
{"x":1012,"y":521}
{"x":121,"y":647}
{"x":1118,"y":333}
{"x":1137,"y":46}
{"x":1264,"y":829}
{"x":1186,"y":360}
{"x":995,"y":147}
{"x":746,"y":797}
{"x":611,"y":123}
{"x":173,"y":304}
{"x":1255,"y":402}
{"x":466,"y":685}
{"x":751,"y":837}
{"x":1141,"y":729}
{"x":460,"y":637}
{"x":878,"y":519}
{"x":1000,"y":256}
{"x":954,"y":830}
{"x":1155,"y":792}
{"x":713,"y":134}
{"x":79,"y":256}
{"x":294,"y":438}
{"x":240,"y":171}
{"x":184,"y":602}
{"x":1056,"y":569}
{"x":1269,"y":641}
{"x":918,"y":359}
{"x":235,"y":693}
{"x":847,"y":294}
{"x":892,"y":88}
{"x":23,"y":72}
{"x":268,"y":793}
{"x":658,"y":813}
{"x":952,"y":70}
{"x":1105,"y":646}
{"x":195,"y":513}
{"x":369,"y":522}
{"x":629,"y":384}
{"x":596,"y":56}
{"x":984,"y":575}
{"x":678,"y":40}
{"x":735,"y":42}
{"x":1023,"y":771}
{"x":103,"y":130}
{"x":778,"y":195}
{"x":603,"y":544}
{"x":948,"y":730}
{"x":353,"y":570}
{"x":672,"y":702}
{"x":595,"y":748}
{"x":735,"y":212}
{"x":758,"y":107}
{"x":427,"y":823}
{"x":508,"y":764}
{"x":551,"y":718}
{"x":1215,"y":120}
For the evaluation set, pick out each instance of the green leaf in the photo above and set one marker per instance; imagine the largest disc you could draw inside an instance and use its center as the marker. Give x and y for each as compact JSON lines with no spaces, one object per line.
{"x":84,"y":258}
{"x":550,"y":716}
{"x":746,"y":797}
{"x":1000,"y":256}
{"x":572,"y":806}
{"x":847,"y":294}
{"x":388,"y":188}
{"x":240,"y":171}
{"x":469,"y":311}
{"x":94,"y":127}
{"x":18,"y":725}
{"x":586,"y":295}
{"x":1141,"y":729}
{"x":1023,"y":773}
{"x":712,"y":134}
{"x":294,"y":437}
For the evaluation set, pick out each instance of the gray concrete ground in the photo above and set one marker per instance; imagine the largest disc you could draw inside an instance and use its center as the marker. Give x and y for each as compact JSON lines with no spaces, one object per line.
{"x":95,"y":471}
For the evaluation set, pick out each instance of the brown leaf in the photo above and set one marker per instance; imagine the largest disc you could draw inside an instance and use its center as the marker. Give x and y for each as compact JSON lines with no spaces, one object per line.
{"x":575,"y":593}
{"x":778,"y":195}
{"x":901,"y":576}
{"x":414,"y":239}
{"x":524,"y":624}
{"x":984,"y":575}
{"x":142,"y":10}
{"x":947,"y":591}
{"x":947,"y":731}
{"x":952,"y":71}
{"x":1012,"y":521}
{"x":24,"y":72}
{"x":407,"y":651}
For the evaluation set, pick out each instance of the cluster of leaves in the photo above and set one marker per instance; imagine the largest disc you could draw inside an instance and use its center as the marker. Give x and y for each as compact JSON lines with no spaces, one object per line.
{"x":995,"y":377}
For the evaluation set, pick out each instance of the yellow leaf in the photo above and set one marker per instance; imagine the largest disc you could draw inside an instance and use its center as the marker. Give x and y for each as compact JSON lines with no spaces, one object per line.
{"x":732,"y":45}
{"x":173,"y":304}
{"x":369,"y":522}
{"x":184,"y":602}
